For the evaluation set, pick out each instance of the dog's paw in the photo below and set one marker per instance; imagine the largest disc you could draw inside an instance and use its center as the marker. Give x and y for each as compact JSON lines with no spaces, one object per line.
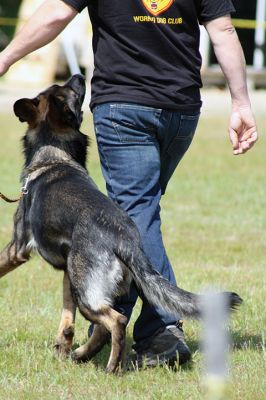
{"x":61,"y":350}
{"x":80,"y":355}
{"x":114,"y":369}
{"x":63,"y":344}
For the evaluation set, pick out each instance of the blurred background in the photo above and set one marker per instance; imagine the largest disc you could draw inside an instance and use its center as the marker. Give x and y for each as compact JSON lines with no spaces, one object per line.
{"x":249,"y":21}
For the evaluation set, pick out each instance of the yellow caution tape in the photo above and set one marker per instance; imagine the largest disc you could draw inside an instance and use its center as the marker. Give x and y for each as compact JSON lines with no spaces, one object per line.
{"x":238,"y":23}
{"x":248,"y":23}
{"x":8,"y":21}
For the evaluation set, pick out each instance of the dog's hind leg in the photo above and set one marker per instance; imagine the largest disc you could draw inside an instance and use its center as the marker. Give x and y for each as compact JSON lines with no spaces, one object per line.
{"x":113,"y":322}
{"x":116,"y":323}
{"x":66,"y":330}
{"x":100,"y":336}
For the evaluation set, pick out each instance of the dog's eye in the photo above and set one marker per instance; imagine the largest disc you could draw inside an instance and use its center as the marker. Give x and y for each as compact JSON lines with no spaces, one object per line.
{"x":36,"y":101}
{"x":60,"y":97}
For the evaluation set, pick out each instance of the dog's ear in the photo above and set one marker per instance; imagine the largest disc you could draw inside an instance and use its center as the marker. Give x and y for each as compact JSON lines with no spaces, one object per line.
{"x":26,"y":110}
{"x":61,"y":113}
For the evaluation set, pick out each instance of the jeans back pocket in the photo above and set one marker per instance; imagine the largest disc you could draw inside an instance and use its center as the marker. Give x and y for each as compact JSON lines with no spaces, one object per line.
{"x":184,"y":135}
{"x":134,"y":123}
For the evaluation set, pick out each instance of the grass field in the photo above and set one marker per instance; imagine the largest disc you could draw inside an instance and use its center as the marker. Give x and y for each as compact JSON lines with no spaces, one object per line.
{"x":214,"y":224}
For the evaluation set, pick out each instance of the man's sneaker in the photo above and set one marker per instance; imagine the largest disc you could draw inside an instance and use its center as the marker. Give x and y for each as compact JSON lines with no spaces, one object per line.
{"x":166,"y":346}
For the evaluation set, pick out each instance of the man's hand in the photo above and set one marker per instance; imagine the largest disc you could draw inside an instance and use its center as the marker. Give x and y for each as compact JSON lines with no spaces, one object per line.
{"x":242,"y":130}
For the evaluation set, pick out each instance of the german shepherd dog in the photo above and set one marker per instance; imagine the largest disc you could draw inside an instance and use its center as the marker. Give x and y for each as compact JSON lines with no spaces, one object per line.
{"x":77,"y":229}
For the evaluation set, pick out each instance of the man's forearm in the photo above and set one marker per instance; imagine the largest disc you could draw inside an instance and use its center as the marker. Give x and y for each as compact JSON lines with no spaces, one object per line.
{"x":230,"y":56}
{"x":242,"y":125}
{"x":44,"y":26}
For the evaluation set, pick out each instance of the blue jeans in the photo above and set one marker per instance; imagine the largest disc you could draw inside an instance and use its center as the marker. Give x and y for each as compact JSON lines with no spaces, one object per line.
{"x":139,"y":149}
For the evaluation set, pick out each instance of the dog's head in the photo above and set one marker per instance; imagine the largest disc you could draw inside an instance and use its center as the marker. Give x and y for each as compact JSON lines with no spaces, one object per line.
{"x":54,"y":118}
{"x":59,"y":106}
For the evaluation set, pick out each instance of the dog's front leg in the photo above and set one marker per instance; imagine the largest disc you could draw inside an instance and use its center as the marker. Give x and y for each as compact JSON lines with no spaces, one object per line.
{"x":17,"y":252}
{"x":66,"y":329}
{"x":12,"y":257}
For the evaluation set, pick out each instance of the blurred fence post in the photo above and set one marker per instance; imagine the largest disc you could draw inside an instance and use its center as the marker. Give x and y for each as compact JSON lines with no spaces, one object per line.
{"x":259,"y":52}
{"x":215,"y":340}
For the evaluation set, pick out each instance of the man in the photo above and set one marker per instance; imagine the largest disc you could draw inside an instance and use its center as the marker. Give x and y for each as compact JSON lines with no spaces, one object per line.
{"x":146,"y":104}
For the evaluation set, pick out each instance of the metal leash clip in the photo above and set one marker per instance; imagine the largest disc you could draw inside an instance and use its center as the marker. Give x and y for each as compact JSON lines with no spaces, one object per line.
{"x":24,"y":189}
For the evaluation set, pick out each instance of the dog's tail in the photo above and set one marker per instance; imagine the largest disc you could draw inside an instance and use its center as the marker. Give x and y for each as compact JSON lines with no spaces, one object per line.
{"x":160,"y":292}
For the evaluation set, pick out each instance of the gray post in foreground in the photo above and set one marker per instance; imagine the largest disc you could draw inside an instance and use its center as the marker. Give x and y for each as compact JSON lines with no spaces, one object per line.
{"x":215,"y":342}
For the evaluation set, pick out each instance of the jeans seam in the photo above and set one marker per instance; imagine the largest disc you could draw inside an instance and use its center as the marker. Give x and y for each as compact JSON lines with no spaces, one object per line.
{"x":133,"y":106}
{"x":114,"y":197}
{"x":189,"y":117}
{"x":108,"y":170}
{"x":157,"y":118}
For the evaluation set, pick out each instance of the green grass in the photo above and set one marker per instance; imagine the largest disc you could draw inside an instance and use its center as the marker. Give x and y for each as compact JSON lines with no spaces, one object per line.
{"x":214,"y":224}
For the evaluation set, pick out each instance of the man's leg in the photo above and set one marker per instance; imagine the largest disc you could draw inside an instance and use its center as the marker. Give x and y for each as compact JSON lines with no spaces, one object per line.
{"x":132,"y":143}
{"x":175,"y":133}
{"x":130,"y":159}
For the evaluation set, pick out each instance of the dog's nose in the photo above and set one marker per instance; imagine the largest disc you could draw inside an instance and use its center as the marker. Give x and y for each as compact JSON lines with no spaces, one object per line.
{"x":78,"y":84}
{"x":76,"y":81}
{"x":78,"y":77}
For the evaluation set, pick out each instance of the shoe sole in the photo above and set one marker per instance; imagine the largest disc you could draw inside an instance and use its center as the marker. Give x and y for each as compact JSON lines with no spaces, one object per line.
{"x":170,"y":358}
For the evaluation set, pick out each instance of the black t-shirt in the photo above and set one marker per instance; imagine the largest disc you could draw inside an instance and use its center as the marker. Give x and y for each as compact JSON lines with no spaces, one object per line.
{"x":147,"y":51}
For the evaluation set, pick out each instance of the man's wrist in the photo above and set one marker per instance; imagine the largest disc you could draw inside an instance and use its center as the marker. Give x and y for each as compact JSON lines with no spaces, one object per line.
{"x":4,"y":63}
{"x":240,"y":98}
{"x":241,"y":105}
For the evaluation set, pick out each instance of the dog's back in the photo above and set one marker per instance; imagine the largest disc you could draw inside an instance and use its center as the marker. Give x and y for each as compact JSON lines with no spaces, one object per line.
{"x":78,"y":228}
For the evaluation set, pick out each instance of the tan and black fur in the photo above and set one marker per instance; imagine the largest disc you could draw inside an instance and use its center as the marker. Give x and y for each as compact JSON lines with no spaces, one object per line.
{"x":79,"y":230}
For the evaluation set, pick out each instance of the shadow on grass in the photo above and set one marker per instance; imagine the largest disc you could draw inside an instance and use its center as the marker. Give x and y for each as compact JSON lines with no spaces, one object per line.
{"x":245,"y":341}
{"x":239,"y":341}
{"x":101,"y":359}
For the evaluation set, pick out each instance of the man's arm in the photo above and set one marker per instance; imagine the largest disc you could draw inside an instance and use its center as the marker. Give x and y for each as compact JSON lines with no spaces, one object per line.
{"x":44,"y":25}
{"x":229,"y":53}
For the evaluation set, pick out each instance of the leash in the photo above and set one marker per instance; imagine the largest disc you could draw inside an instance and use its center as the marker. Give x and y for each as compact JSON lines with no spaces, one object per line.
{"x":24,"y":189}
{"x":23,"y":192}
